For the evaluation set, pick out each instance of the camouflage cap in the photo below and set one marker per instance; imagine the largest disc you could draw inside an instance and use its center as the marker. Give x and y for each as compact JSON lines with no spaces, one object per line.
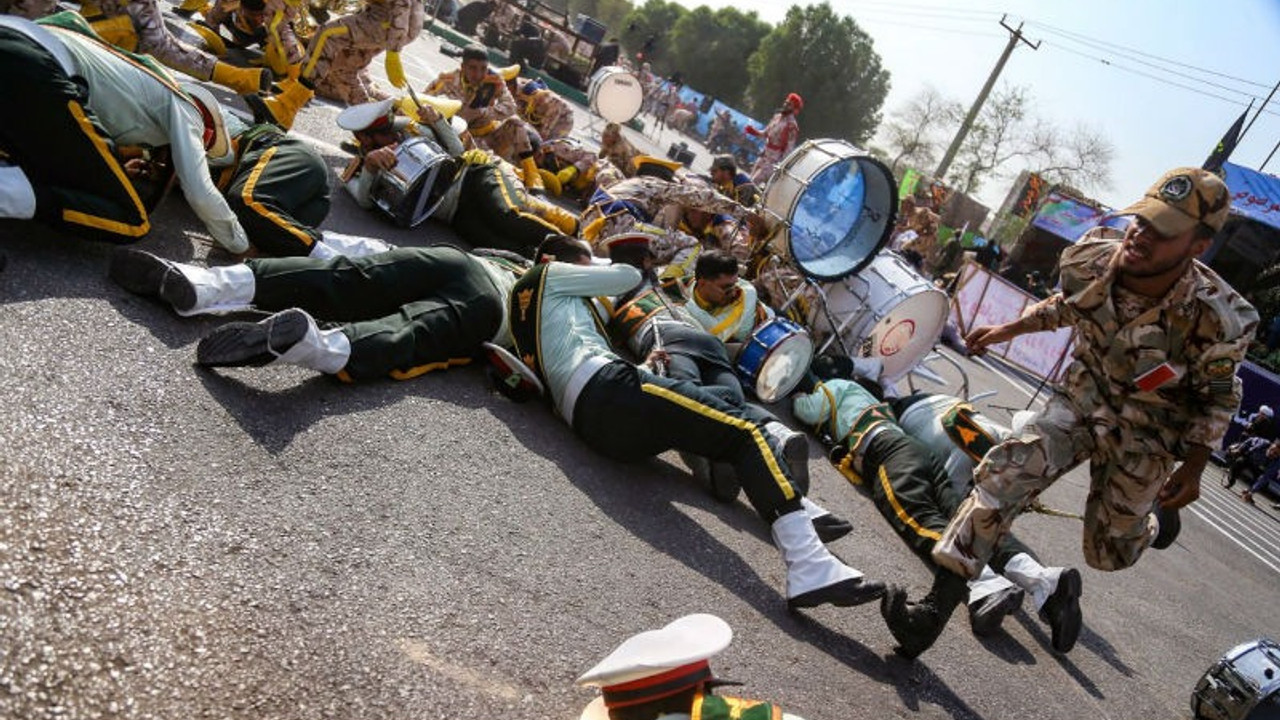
{"x":1181,"y":199}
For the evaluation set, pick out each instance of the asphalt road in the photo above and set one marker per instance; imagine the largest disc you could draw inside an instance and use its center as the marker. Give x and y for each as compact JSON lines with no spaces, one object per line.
{"x":267,"y":543}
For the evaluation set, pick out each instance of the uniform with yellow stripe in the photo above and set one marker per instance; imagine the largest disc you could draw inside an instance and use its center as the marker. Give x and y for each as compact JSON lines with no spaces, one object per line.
{"x":904,"y":478}
{"x":63,"y":133}
{"x":278,"y":186}
{"x":406,"y":312}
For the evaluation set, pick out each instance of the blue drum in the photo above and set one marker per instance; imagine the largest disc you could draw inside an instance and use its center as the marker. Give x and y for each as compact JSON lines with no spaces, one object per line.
{"x":775,"y":359}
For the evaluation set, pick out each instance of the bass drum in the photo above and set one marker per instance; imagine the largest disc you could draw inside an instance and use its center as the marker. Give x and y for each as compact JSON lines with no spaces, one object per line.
{"x":1243,"y":685}
{"x":409,"y":192}
{"x":888,"y":311}
{"x":835,"y":206}
{"x":615,"y":94}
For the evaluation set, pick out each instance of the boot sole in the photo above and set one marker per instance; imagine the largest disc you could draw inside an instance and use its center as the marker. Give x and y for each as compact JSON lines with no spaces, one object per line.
{"x":846,"y":593}
{"x":142,"y":273}
{"x":1067,"y":628}
{"x":261,"y":112}
{"x":246,"y":344}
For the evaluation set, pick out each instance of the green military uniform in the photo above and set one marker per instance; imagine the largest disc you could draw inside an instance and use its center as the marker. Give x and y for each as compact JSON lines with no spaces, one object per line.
{"x":278,"y":187}
{"x":1143,"y":387}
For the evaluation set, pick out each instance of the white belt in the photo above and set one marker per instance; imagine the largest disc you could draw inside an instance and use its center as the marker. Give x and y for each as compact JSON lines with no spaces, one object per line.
{"x":578,"y":380}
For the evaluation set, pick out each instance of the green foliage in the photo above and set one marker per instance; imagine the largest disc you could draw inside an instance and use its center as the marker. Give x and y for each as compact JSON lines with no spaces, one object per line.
{"x":831,"y":62}
{"x":711,"y":49}
{"x":652,"y":20}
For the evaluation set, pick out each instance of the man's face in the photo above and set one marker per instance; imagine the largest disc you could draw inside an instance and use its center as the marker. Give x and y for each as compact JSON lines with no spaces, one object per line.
{"x":719,"y":290}
{"x":1273,"y":450}
{"x":473,"y":71}
{"x":254,"y":19}
{"x":721,"y":176}
{"x":1147,"y":253}
{"x":374,"y":139}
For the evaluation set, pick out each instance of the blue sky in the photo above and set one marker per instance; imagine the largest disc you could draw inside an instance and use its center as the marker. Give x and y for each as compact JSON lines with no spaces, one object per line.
{"x":1153,"y":123}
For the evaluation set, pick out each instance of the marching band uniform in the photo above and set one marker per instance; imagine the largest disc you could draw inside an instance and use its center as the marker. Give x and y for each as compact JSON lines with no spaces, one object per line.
{"x":543,"y":109}
{"x":915,"y":495}
{"x":628,"y":414}
{"x":402,"y":313}
{"x":138,"y":26}
{"x":338,"y":57}
{"x":735,"y":321}
{"x":66,"y":173}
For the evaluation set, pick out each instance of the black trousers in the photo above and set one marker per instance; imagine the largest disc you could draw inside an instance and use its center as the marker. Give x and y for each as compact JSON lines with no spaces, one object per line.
{"x":696,"y":356}
{"x":47,"y":128}
{"x":494,"y":213}
{"x":629,"y":414}
{"x":407,"y":311}
{"x":913,"y":492}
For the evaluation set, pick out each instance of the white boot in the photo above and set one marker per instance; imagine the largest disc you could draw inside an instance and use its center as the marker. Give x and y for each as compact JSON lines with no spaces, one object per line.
{"x":333,"y":244}
{"x":17,"y":197}
{"x":813,"y":509}
{"x":325,"y":351}
{"x":1033,"y":577}
{"x":225,"y":288}
{"x":814,"y":575}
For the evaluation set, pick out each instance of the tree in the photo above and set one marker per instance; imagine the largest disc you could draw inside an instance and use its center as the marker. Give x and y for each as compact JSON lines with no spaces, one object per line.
{"x":711,"y":50}
{"x":994,"y":139}
{"x":648,"y":25}
{"x":831,"y":63}
{"x":1081,"y":158}
{"x":916,"y":132}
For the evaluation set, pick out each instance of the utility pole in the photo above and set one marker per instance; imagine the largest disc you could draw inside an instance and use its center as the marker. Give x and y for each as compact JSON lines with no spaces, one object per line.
{"x":1261,"y":107}
{"x":1015,"y":36}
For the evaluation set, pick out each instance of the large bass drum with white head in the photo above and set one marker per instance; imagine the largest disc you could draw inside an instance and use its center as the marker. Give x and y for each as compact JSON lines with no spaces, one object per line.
{"x":615,"y":94}
{"x":1243,"y":685}
{"x":887,"y":311}
{"x":835,"y":206}
{"x":409,"y":192}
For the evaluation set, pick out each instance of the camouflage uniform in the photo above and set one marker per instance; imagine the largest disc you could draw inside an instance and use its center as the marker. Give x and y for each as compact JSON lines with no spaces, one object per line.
{"x":1130,"y":424}
{"x":622,"y":154}
{"x":779,"y":139}
{"x":278,"y":34}
{"x":592,"y":171}
{"x":338,"y":57}
{"x":634,"y":204}
{"x":148,"y":35}
{"x":496,"y":128}
{"x":543,"y":109}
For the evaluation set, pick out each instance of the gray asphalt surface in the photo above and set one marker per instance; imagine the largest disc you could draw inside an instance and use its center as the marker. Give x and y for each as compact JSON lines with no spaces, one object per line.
{"x":267,"y":543}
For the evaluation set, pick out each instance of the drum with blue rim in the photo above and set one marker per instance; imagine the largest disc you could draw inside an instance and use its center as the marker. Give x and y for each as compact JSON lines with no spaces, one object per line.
{"x":774,"y":360}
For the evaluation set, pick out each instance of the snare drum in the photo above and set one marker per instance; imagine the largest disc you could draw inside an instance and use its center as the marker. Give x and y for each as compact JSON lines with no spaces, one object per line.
{"x":615,"y":94}
{"x":1242,"y":685}
{"x":835,"y":205}
{"x":888,"y":311}
{"x":409,"y":192}
{"x":774,"y":360}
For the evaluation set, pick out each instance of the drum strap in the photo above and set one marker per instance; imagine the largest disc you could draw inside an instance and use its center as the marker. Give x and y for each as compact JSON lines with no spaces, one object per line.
{"x":627,"y":319}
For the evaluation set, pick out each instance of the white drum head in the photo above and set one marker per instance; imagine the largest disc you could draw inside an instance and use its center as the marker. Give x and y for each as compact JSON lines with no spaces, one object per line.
{"x":615,"y":94}
{"x":784,"y":368}
{"x":837,"y":205}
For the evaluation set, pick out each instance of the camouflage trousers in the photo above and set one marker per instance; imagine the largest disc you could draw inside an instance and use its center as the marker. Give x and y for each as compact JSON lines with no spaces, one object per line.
{"x":1125,"y":475}
{"x":153,"y":38}
{"x":763,"y":168}
{"x":338,"y":57}
{"x":509,"y":141}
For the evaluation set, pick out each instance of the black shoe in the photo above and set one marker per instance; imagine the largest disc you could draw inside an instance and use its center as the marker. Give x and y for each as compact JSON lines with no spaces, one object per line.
{"x":142,"y":273}
{"x":1170,"y":525}
{"x":1062,"y":611}
{"x":718,"y":478}
{"x":246,"y":344}
{"x":986,"y":615}
{"x":915,"y":625}
{"x":831,"y":528}
{"x":794,"y":450}
{"x":846,"y":593}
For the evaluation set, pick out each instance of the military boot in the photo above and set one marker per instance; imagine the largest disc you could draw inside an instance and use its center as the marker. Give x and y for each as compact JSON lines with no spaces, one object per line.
{"x":531,"y":177}
{"x":245,"y":81}
{"x":917,"y":625}
{"x":191,"y":7}
{"x":283,"y":108}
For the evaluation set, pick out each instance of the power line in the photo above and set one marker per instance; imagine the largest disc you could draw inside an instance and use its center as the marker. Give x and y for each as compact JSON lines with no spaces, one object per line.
{"x":1157,"y":78}
{"x":1121,"y":50}
{"x":918,"y":26}
{"x":938,"y":9}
